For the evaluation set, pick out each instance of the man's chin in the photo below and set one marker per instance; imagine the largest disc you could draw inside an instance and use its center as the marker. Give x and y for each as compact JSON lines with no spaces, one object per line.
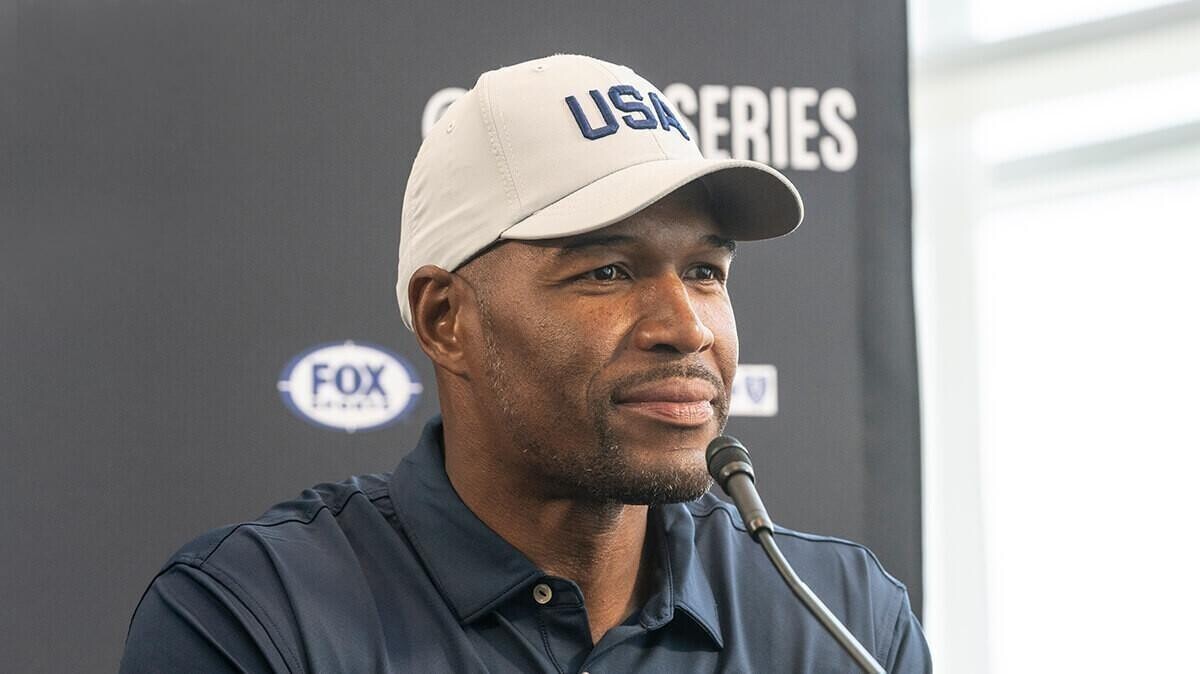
{"x":654,"y":458}
{"x":662,"y":475}
{"x":659,"y":490}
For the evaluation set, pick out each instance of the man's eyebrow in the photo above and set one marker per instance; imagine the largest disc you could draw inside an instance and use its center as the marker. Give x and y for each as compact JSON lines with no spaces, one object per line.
{"x":583,"y":242}
{"x":721,"y":242}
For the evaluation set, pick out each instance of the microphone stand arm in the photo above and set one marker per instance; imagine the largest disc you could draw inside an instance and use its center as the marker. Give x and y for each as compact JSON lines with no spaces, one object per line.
{"x":736,"y":476}
{"x":814,"y":604}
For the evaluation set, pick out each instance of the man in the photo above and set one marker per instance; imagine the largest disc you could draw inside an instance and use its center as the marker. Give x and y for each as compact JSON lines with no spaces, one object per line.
{"x":563,"y":256}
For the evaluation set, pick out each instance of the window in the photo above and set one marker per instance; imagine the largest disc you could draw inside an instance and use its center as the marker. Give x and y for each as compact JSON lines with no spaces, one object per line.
{"x":1057,"y":232}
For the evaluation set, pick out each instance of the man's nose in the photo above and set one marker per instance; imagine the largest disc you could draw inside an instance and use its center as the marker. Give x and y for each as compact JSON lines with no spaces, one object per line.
{"x":669,"y":319}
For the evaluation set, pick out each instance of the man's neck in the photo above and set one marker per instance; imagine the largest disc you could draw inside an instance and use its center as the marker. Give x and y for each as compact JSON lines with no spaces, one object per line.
{"x":602,"y":547}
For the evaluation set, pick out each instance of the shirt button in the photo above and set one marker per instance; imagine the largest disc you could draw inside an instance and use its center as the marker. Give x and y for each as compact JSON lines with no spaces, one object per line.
{"x":542,"y":593}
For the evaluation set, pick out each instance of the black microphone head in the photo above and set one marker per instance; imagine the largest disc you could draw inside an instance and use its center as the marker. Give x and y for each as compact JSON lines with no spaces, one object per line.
{"x":721,"y":452}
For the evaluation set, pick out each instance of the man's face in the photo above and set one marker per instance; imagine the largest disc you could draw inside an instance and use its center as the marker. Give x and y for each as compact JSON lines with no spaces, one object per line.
{"x":608,"y":357}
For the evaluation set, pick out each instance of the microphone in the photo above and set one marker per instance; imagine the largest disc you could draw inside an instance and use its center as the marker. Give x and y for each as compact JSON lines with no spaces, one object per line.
{"x":729,"y":464}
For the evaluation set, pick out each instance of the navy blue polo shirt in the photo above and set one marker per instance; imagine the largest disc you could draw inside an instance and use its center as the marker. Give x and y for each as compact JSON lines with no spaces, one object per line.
{"x":393,"y":573}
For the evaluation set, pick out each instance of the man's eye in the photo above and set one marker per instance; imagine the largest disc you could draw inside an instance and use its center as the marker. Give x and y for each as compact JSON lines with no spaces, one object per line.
{"x":609,"y":272}
{"x":706,"y":272}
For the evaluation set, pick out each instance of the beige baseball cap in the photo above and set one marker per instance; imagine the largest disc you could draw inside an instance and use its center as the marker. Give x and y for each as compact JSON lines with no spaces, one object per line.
{"x":564,"y":145}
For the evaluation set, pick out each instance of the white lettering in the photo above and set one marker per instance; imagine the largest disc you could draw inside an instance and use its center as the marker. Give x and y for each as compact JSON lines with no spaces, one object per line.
{"x":804,"y":129}
{"x":748,"y":115}
{"x":712,"y":125}
{"x":839,"y":150}
{"x":779,"y":128}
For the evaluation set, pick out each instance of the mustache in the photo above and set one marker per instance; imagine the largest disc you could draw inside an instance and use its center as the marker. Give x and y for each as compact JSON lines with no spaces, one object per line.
{"x":671,"y":371}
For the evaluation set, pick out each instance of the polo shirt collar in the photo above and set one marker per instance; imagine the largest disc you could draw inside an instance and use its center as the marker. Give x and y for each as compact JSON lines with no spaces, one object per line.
{"x":473,"y":567}
{"x":476,"y":570}
{"x":686,"y":587}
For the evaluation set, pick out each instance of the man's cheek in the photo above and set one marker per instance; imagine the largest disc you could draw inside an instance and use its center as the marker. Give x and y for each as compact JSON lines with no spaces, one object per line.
{"x":721,"y":322}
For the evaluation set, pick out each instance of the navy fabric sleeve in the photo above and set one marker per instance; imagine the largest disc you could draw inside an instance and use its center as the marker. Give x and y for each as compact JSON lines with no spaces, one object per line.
{"x":189,"y":622}
{"x":909,"y":651}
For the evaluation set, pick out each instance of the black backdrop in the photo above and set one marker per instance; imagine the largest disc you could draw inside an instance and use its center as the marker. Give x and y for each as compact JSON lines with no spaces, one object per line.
{"x":195,"y":193}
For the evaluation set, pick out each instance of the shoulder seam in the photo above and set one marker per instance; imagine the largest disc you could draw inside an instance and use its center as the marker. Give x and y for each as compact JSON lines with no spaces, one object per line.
{"x":203,"y":559}
{"x":812,"y":538}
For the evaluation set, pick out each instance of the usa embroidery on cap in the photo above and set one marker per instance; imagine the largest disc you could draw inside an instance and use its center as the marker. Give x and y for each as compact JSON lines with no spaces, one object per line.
{"x":627,"y":99}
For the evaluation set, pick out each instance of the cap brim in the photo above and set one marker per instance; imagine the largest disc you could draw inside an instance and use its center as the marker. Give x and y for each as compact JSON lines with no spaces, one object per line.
{"x":752,"y":200}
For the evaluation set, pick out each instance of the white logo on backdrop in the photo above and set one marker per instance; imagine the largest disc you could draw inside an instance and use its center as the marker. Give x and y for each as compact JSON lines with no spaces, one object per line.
{"x":755,"y":391}
{"x":349,"y":386}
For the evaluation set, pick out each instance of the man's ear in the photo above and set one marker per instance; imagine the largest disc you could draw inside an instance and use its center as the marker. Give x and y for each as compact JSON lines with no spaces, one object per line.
{"x":440,"y":303}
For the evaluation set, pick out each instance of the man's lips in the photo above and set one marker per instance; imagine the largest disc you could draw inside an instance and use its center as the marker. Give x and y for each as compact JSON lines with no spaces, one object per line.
{"x":682,"y":402}
{"x":677,"y":390}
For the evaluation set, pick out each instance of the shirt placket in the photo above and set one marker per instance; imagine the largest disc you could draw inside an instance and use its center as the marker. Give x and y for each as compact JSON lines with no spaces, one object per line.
{"x":562,"y":622}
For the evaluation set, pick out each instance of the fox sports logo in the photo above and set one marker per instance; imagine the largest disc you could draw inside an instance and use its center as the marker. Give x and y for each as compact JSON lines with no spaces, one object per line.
{"x":349,"y":386}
